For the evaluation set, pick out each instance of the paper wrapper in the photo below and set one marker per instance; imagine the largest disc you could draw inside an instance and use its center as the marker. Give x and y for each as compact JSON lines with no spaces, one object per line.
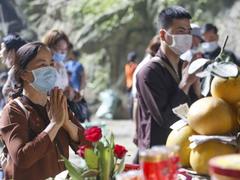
{"x":181,"y":111}
{"x":195,"y":140}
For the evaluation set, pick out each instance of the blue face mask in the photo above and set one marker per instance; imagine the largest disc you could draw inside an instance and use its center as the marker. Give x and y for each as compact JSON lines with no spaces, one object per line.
{"x":59,"y":57}
{"x":44,"y":79}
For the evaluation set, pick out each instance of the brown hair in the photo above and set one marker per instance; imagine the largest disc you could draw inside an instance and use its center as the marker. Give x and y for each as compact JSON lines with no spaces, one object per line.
{"x":52,"y":37}
{"x":153,"y":45}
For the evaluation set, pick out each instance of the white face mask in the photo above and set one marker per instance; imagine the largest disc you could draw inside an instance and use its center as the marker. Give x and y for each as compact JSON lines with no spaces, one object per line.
{"x":181,"y":43}
{"x":209,"y":46}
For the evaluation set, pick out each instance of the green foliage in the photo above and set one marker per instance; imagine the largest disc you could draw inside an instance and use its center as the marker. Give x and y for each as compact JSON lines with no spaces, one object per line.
{"x":109,"y":29}
{"x":96,"y":65}
{"x":101,"y":162}
{"x":91,"y":159}
{"x":74,"y":171}
{"x":105,"y":162}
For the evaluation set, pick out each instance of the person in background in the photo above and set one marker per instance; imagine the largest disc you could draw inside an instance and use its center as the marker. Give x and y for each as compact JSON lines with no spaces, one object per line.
{"x":129,"y":70}
{"x":210,"y":46}
{"x":195,"y":51}
{"x":164,"y":83}
{"x":3,"y":79}
{"x":196,"y":36}
{"x":9,"y":46}
{"x":78,"y":76}
{"x":36,"y":128}
{"x":58,"y":42}
{"x":193,"y":54}
{"x":77,"y":83}
{"x":151,"y":50}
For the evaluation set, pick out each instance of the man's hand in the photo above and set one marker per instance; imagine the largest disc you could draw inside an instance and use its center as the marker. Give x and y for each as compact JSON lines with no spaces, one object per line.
{"x":187,"y":79}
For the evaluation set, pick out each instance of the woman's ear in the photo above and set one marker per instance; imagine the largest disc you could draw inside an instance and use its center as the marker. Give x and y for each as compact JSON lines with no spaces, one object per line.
{"x":27,"y":76}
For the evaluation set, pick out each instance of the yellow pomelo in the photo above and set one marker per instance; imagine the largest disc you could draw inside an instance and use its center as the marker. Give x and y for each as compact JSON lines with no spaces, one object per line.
{"x":180,"y":138}
{"x":226,"y":89}
{"x":236,"y":113}
{"x":200,"y":155}
{"x":211,"y":115}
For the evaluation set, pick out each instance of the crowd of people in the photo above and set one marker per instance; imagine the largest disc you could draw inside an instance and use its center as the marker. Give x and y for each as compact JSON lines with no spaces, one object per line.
{"x":37,"y":124}
{"x":44,"y":88}
{"x":161,"y":81}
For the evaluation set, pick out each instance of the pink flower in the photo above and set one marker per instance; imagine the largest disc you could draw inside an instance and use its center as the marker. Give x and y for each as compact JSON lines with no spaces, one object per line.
{"x":119,"y":151}
{"x":93,"y":134}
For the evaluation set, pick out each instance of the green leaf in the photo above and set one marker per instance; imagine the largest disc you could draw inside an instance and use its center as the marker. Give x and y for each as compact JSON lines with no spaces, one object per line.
{"x":100,"y":146}
{"x":120,"y":167}
{"x":75,"y":173}
{"x":106,"y":163}
{"x":90,"y":173}
{"x":112,"y":141}
{"x":91,"y":159}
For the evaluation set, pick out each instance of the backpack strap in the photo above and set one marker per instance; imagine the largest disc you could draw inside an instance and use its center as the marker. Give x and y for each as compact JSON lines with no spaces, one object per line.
{"x":168,"y":67}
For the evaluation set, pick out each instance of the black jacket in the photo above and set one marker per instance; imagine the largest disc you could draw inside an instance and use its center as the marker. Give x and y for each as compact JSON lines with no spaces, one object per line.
{"x":158,"y":93}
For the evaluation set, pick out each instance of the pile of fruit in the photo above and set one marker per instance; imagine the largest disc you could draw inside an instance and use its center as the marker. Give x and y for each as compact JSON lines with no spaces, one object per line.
{"x":215,"y":115}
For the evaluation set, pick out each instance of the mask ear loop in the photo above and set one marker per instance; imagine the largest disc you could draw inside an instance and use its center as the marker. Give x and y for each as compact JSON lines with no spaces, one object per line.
{"x":173,"y":41}
{"x":24,"y":75}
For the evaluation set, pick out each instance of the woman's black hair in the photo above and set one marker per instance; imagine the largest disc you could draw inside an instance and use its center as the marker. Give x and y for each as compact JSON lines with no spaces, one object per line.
{"x":13,"y":41}
{"x":24,"y":55}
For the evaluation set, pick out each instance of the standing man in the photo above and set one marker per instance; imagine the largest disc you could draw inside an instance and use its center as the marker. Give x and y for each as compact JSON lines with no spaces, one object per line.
{"x":163,"y":83}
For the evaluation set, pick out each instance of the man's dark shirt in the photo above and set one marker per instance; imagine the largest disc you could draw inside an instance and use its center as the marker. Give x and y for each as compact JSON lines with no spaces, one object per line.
{"x":158,"y":93}
{"x":227,"y":53}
